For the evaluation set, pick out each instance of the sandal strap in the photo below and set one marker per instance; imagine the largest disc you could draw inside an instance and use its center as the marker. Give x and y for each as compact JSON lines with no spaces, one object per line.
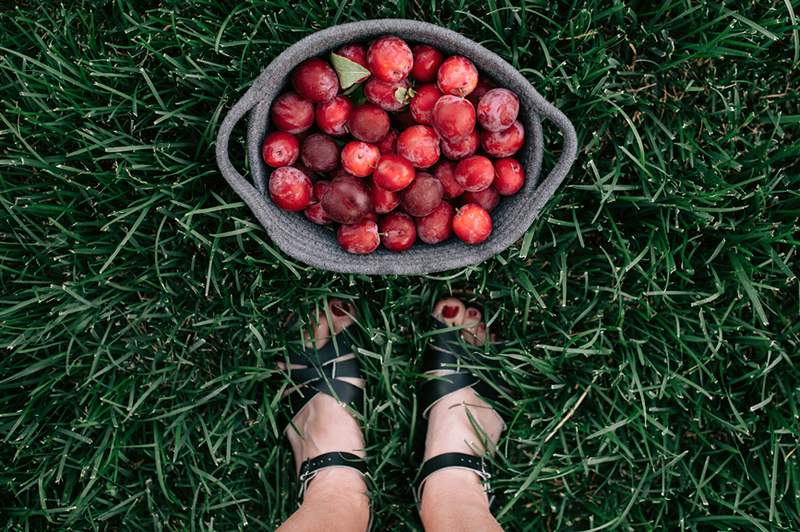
{"x":323,"y":374}
{"x":448,"y":351}
{"x":339,"y":345}
{"x":436,"y":388}
{"x":470,"y":462}
{"x":344,"y":392}
{"x":443,"y":350}
{"x":312,"y":466}
{"x":331,"y":370}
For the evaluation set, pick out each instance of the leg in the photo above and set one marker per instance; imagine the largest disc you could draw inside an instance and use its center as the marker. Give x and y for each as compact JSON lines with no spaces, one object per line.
{"x":336,"y":499}
{"x":454,"y":499}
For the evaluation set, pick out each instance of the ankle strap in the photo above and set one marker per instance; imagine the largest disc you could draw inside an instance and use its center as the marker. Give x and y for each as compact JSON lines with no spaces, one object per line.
{"x":312,"y":466}
{"x":476,"y":464}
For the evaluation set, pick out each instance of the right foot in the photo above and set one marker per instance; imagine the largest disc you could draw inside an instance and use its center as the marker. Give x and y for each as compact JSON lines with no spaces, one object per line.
{"x":461,"y":421}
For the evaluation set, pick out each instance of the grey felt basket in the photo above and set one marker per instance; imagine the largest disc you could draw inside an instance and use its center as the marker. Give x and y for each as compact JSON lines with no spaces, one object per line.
{"x":316,"y":245}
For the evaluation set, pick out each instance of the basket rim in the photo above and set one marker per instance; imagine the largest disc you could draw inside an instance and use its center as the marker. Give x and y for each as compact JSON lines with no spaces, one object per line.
{"x":317,"y":247}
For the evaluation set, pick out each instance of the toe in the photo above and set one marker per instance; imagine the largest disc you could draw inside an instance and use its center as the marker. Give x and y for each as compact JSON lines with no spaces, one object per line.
{"x":450,"y":311}
{"x":337,"y":316}
{"x":474,"y":329}
{"x":475,"y":335}
{"x":472,"y":317}
{"x":317,"y":335}
{"x":342,"y":313}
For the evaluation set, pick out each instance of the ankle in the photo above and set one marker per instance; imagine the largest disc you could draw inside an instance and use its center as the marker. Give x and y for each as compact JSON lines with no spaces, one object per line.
{"x":338,"y":480}
{"x":447,"y":436}
{"x":453,"y":484}
{"x":324,"y":426}
{"x":452,"y":429}
{"x":342,"y":488}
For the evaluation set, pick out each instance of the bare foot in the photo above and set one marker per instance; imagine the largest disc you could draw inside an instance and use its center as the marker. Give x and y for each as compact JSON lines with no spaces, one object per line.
{"x":324,"y":425}
{"x":450,"y":428}
{"x":336,"y":499}
{"x":461,"y":421}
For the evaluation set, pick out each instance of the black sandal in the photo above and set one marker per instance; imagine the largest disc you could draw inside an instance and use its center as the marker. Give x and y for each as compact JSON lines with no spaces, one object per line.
{"x":321,"y":374}
{"x":448,"y":351}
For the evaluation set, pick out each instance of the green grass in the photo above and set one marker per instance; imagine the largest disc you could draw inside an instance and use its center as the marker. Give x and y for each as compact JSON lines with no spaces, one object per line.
{"x":651,"y":311}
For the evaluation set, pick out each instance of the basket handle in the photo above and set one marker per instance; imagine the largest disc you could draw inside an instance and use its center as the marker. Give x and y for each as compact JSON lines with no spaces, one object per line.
{"x":548,"y":187}
{"x":249,"y":194}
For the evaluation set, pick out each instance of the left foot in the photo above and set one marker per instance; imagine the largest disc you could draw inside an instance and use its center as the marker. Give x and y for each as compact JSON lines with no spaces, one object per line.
{"x":324,"y":425}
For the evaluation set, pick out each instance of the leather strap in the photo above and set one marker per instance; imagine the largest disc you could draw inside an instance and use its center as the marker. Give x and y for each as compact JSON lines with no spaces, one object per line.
{"x":332,"y":370}
{"x":312,"y":466}
{"x":322,"y":374}
{"x":476,"y":464}
{"x":443,"y":349}
{"x":339,"y":345}
{"x":448,"y":351}
{"x":436,"y":388}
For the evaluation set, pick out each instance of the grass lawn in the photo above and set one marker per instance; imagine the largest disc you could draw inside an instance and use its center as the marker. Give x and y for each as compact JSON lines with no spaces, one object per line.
{"x":651,"y":312}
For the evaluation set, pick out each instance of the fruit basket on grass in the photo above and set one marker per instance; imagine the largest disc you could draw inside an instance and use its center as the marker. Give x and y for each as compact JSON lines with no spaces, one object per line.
{"x":440,"y":141}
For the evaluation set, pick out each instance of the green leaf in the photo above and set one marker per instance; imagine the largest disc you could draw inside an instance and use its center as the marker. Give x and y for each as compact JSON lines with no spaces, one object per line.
{"x":349,"y":72}
{"x":356,"y":94}
{"x":404,"y":95}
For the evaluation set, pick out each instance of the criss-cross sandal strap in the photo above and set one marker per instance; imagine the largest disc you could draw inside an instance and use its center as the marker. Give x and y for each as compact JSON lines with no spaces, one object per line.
{"x":447,"y":351}
{"x":444,"y":348}
{"x":332,"y":370}
{"x":338,"y":346}
{"x":323,"y":374}
{"x":472,"y":463}
{"x":342,"y":391}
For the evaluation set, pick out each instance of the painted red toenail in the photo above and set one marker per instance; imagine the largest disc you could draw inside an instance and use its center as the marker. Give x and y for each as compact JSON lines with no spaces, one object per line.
{"x":449,"y":311}
{"x":338,"y":310}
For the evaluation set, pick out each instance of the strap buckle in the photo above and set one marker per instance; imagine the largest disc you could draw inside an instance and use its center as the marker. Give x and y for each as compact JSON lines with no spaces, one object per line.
{"x":484,"y":472}
{"x":475,"y":464}
{"x":306,"y":475}
{"x":312,"y":466}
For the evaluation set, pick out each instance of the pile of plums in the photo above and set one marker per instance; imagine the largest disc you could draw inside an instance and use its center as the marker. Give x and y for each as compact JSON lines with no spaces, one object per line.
{"x":394,"y":144}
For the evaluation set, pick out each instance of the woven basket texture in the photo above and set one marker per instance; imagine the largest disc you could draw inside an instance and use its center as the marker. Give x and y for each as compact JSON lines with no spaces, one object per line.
{"x":316,"y":245}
